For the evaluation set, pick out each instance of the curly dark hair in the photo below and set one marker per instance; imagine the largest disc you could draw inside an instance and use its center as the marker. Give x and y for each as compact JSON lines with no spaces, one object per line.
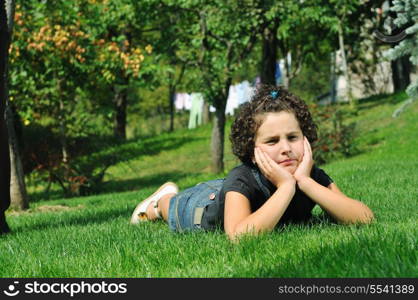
{"x":266,"y":99}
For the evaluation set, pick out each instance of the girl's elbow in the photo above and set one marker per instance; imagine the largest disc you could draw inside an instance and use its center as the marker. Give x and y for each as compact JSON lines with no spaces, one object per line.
{"x":233,"y":237}
{"x":234,"y":233}
{"x":240,"y":230}
{"x":230,"y":233}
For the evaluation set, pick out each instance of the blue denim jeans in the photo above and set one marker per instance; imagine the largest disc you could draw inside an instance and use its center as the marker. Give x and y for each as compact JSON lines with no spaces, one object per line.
{"x":186,"y":208}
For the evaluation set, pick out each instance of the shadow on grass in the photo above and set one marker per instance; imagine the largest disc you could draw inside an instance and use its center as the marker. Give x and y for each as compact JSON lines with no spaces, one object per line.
{"x":87,"y":217}
{"x":154,"y":180}
{"x":98,"y":216}
{"x":118,"y":186}
{"x":153,"y":146}
{"x":376,"y":100}
{"x":94,"y":216}
{"x":113,"y":152}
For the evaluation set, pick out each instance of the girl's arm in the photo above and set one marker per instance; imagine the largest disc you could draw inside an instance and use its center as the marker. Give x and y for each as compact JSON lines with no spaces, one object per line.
{"x":342,"y":208}
{"x":238,"y":218}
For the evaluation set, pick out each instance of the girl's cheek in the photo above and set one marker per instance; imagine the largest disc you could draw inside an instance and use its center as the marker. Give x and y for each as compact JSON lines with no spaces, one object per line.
{"x":262,"y":147}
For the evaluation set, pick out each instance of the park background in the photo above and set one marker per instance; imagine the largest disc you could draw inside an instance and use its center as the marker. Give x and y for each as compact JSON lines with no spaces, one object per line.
{"x":94,"y":129}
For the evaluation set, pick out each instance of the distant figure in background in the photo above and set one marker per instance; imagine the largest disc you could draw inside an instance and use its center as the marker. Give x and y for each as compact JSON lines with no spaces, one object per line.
{"x":276,"y":184}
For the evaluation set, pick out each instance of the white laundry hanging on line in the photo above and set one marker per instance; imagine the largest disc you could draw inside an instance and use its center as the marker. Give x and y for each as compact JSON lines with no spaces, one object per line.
{"x":196,"y":111}
{"x":232,"y":102}
{"x":183,"y":101}
{"x":244,"y":92}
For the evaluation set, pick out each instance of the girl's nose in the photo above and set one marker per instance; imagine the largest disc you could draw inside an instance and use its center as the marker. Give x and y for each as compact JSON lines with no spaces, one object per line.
{"x":284,"y":147}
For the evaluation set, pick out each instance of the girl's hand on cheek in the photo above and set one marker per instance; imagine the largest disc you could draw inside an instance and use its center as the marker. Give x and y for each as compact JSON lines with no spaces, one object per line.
{"x":305,"y":166}
{"x":275,"y":173}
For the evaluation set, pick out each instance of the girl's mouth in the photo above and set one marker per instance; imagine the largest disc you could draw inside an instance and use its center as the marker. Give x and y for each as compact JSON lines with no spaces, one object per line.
{"x":287,"y":162}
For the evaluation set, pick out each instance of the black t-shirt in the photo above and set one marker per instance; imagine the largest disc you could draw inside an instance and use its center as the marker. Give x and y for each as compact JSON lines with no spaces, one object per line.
{"x":243,"y":180}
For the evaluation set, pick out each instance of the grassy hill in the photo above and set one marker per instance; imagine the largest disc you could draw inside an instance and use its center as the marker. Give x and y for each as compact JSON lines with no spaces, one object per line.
{"x":91,"y":237}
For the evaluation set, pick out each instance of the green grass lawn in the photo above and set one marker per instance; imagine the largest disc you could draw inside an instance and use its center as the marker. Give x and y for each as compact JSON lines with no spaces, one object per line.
{"x":91,"y":236}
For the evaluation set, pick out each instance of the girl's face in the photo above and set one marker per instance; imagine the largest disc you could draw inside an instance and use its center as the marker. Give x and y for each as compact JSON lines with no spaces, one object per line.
{"x":281,"y":138}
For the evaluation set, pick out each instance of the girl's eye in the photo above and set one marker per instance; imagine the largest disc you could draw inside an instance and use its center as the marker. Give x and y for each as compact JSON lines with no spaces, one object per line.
{"x":271,"y":142}
{"x":293,"y":137}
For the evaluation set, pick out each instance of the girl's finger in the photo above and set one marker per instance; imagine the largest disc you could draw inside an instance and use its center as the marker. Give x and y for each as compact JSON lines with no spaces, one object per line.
{"x":265,"y":160}
{"x":268,"y":163}
{"x":309,"y":147}
{"x":271,"y":164}
{"x":257,"y":156}
{"x":259,"y":159}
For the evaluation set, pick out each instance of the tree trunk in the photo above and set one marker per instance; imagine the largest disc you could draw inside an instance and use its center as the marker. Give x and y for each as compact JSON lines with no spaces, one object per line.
{"x":333,"y":79}
{"x":5,"y":167}
{"x":121,"y":103}
{"x":218,"y":138}
{"x":206,"y":112}
{"x":269,"y":57}
{"x":344,"y":61}
{"x":172,"y":96}
{"x":173,"y":83}
{"x":286,"y":72}
{"x":63,"y":133}
{"x":401,"y":71}
{"x":6,"y":25}
{"x":19,"y":197}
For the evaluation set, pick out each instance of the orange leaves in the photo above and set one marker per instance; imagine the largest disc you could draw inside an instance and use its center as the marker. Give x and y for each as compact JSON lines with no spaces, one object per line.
{"x":63,"y":41}
{"x":98,"y":1}
{"x":18,"y":18}
{"x":148,"y":48}
{"x":14,"y":52}
{"x":113,"y":47}
{"x":36,"y":46}
{"x":100,"y":42}
{"x":72,"y":43}
{"x":121,"y":55}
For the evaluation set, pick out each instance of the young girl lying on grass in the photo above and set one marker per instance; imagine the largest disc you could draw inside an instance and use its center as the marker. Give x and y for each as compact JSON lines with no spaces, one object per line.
{"x":277,"y":182}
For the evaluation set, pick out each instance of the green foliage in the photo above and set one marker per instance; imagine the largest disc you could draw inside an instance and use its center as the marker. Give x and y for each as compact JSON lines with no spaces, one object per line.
{"x":115,"y":27}
{"x":304,"y":30}
{"x":48,"y":69}
{"x":73,"y":54}
{"x":336,"y":134}
{"x":407,"y":15}
{"x":67,"y":61}
{"x":220,"y":36}
{"x":82,"y":175}
{"x":154,"y":123}
{"x":313,"y":80}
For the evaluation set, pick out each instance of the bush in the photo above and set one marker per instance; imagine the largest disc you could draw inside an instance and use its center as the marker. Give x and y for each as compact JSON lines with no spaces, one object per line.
{"x":336,"y":136}
{"x":81,"y":175}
